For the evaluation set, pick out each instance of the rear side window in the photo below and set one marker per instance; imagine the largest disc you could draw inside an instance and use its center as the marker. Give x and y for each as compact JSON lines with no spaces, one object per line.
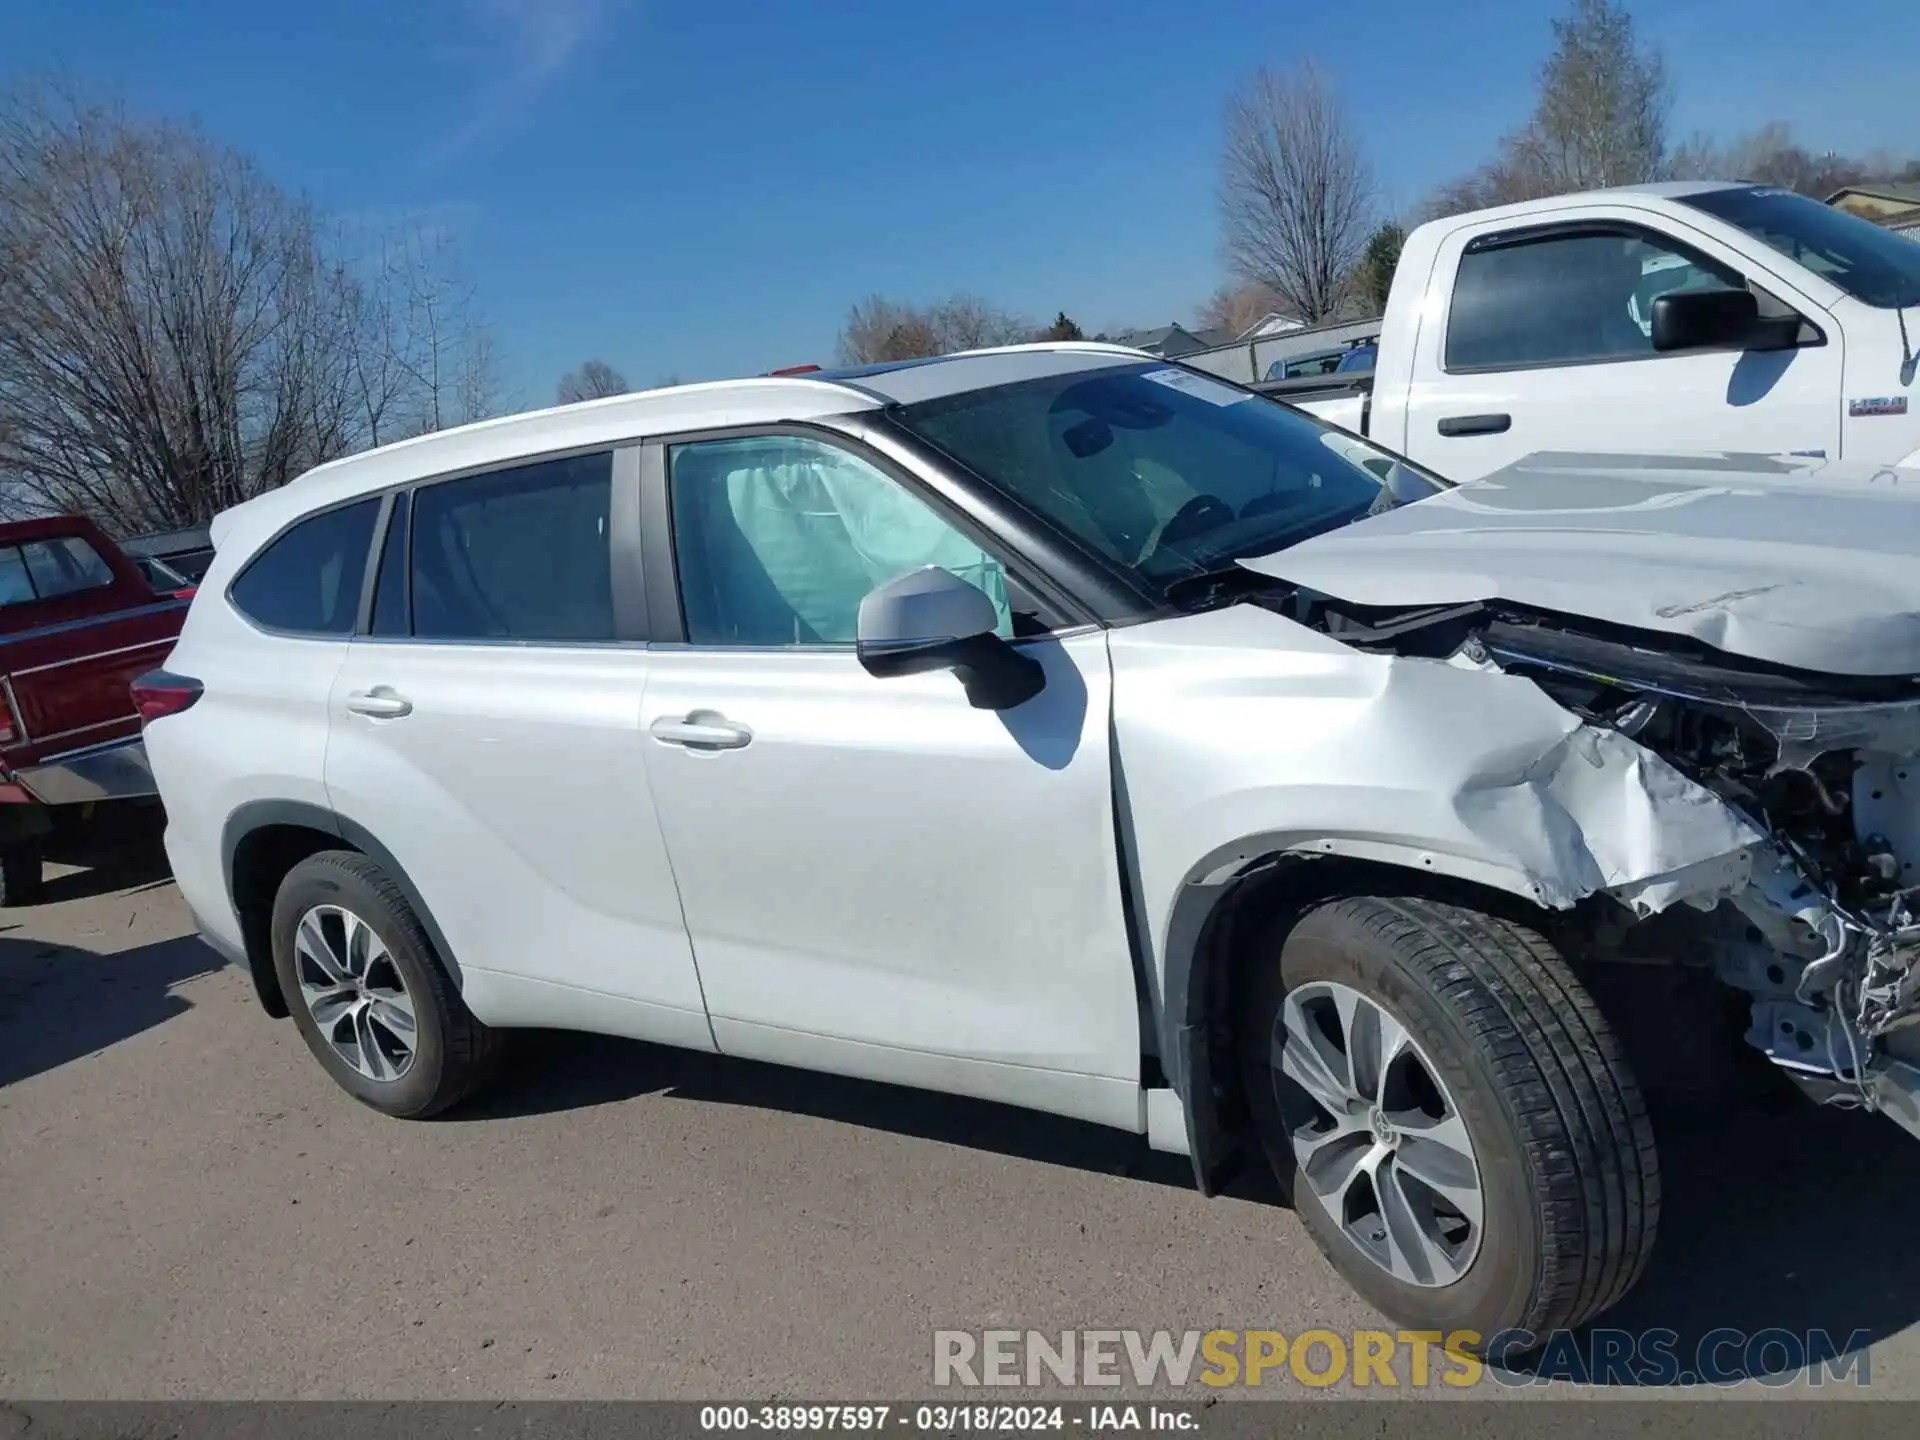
{"x":49,"y":569}
{"x":308,"y":581}
{"x":517,"y":554}
{"x":1567,"y":299}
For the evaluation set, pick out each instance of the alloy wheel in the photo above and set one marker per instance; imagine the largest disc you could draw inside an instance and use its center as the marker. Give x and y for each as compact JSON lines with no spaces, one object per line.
{"x":355,"y":993}
{"x":1376,"y":1134}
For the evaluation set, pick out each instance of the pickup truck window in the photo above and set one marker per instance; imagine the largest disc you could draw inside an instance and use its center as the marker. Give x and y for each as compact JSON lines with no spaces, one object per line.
{"x":1576,"y":297}
{"x":307,"y":582}
{"x":1324,"y":363}
{"x":49,"y":569}
{"x":1869,"y":263}
{"x":1167,"y":473}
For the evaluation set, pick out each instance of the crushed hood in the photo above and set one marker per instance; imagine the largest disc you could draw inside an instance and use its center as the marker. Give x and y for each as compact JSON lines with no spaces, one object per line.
{"x":1803,"y":563}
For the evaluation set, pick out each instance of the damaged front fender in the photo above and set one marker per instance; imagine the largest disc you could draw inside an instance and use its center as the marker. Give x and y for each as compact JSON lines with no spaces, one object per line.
{"x":1244,"y":734}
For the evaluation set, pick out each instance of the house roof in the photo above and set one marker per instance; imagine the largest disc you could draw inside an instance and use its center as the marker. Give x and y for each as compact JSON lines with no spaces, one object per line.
{"x":1272,"y":323}
{"x":1891,"y":190}
{"x":1158,"y":335}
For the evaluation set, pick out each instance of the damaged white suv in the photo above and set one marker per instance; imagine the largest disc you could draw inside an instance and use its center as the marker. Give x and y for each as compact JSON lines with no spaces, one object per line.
{"x":1064,"y":727}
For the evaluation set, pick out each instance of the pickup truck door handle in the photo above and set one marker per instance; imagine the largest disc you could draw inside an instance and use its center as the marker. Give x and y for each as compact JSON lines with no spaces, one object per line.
{"x":381,"y":703}
{"x":1476,"y":424}
{"x":701,"y":730}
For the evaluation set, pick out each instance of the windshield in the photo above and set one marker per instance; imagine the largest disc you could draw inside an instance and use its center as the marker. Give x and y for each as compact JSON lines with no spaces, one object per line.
{"x":1166,"y":472}
{"x":1866,"y":261}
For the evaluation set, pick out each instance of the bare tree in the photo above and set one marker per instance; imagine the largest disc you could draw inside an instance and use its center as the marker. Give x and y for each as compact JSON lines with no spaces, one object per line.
{"x":444,"y":352}
{"x":1600,"y":118}
{"x":478,"y":391}
{"x":1239,"y":307}
{"x":1604,"y":102}
{"x":173,"y":338}
{"x":1771,"y":156}
{"x":1296,"y":193}
{"x":966,"y":322}
{"x":178,"y":334}
{"x":376,"y":377}
{"x":878,"y":329}
{"x":594,"y":380}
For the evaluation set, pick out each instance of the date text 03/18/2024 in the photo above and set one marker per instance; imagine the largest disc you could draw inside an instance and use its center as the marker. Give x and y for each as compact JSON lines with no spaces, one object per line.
{"x":948,"y":1418}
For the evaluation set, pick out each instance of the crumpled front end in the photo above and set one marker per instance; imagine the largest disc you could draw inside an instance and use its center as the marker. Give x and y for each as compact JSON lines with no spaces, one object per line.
{"x":1824,"y":772}
{"x":1771,"y":817}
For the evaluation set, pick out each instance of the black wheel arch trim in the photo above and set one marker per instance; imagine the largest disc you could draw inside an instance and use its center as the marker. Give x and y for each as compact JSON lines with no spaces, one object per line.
{"x":1206,"y":938}
{"x":258,"y":815}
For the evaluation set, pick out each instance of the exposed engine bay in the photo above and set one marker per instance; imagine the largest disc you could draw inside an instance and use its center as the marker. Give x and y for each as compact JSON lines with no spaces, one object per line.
{"x":1819,"y":922}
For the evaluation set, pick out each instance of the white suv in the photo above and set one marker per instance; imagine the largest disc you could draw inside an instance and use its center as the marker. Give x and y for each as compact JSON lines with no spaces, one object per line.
{"x":1068,"y":728}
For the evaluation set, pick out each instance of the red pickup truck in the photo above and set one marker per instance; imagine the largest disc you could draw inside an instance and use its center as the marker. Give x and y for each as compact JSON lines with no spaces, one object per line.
{"x":78,"y":621}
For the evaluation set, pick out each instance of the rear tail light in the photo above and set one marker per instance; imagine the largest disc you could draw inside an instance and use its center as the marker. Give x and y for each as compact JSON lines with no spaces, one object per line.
{"x":159,"y":693}
{"x":9,"y":730}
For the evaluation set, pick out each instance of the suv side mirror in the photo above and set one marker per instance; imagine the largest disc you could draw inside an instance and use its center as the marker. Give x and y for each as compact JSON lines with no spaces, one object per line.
{"x":931,"y":619}
{"x":1718,"y":320}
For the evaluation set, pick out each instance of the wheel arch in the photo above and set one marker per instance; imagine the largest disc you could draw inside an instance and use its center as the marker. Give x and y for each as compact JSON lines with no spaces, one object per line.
{"x":262,"y":841}
{"x":1242,"y":890}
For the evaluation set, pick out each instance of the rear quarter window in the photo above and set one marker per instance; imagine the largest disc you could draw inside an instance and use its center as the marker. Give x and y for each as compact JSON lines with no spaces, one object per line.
{"x":307,"y":581}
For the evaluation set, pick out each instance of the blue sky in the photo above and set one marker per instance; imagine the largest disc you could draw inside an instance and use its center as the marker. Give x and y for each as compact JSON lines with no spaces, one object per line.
{"x":703,"y":189}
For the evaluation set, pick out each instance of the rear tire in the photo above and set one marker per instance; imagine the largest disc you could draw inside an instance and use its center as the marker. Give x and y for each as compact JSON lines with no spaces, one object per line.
{"x":1560,"y":1162}
{"x":369,"y":995}
{"x":22,"y":875}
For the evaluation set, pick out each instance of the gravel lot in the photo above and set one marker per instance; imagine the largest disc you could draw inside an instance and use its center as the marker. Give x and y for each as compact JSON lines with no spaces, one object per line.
{"x":188,"y":1208}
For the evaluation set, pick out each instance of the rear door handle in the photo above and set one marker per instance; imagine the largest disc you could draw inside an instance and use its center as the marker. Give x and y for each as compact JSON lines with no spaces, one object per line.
{"x":1476,"y":424}
{"x":381,"y":703}
{"x":700,"y":730}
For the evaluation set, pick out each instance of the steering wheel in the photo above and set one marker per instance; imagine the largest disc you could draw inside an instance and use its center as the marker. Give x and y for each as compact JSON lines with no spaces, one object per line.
{"x":1199,"y":515}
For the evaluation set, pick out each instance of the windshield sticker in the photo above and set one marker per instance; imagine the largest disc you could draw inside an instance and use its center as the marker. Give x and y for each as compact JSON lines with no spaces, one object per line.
{"x":1201,"y":387}
{"x":1878,"y":405}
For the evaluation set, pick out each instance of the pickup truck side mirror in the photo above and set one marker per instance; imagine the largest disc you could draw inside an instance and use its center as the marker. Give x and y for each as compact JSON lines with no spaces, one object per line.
{"x":1718,"y":320}
{"x":931,"y":619}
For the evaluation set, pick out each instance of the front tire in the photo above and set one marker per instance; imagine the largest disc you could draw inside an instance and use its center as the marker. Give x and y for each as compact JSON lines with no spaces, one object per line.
{"x":1451,"y":1118}
{"x":369,"y":995}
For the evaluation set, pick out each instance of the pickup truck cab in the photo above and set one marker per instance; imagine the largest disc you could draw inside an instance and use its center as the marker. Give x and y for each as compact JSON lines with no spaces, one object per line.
{"x":1677,"y":317}
{"x":78,"y":621}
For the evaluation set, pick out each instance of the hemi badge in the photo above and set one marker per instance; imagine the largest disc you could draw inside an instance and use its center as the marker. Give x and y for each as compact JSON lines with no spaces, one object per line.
{"x":1881,"y":405}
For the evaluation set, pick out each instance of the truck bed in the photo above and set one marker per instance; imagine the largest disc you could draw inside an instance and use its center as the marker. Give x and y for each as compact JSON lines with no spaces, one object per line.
{"x":79,"y":622}
{"x":67,"y":684}
{"x":1342,"y":400}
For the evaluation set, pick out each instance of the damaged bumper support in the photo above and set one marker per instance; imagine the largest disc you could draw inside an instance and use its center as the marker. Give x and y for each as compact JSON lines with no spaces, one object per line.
{"x":1835,"y":986}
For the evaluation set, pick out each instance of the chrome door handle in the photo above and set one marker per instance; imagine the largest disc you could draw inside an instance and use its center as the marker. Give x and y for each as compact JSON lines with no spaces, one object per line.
{"x":700,"y":730}
{"x":381,"y":703}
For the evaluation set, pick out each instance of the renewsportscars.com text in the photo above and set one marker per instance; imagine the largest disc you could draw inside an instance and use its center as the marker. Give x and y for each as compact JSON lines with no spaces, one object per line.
{"x":1395,"y":1358}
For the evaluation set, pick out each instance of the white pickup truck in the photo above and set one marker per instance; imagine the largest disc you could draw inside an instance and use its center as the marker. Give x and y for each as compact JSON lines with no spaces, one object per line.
{"x":1679,"y":317}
